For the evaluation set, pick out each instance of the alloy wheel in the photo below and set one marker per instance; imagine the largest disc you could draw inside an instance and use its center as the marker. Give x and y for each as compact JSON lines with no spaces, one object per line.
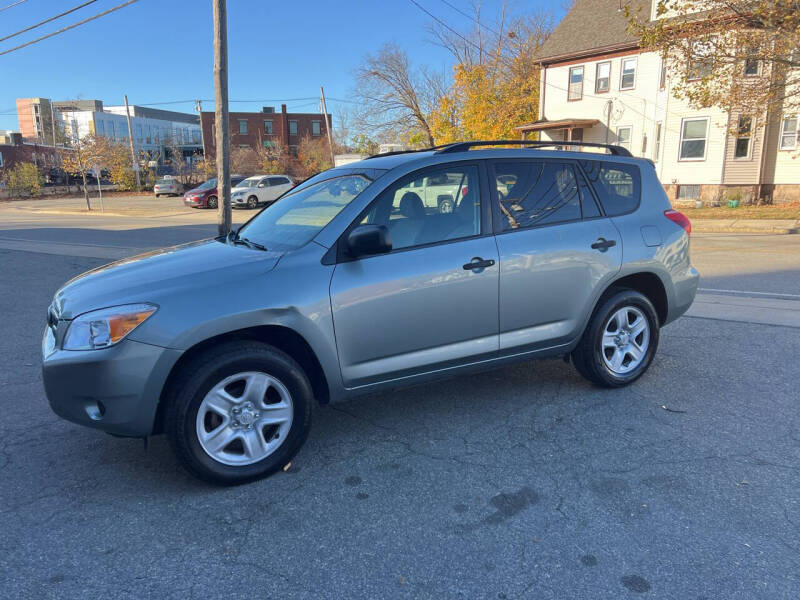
{"x":626,"y":337}
{"x":244,"y":418}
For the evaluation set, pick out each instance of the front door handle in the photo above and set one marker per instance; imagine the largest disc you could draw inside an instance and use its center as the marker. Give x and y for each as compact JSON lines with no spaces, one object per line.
{"x":603,"y":244}
{"x":478,"y":263}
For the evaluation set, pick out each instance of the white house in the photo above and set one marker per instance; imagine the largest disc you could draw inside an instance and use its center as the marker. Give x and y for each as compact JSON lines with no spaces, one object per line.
{"x":597,"y":85}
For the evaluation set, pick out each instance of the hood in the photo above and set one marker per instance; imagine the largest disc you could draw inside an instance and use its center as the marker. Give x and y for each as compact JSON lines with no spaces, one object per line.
{"x":157,"y":275}
{"x":200,"y":191}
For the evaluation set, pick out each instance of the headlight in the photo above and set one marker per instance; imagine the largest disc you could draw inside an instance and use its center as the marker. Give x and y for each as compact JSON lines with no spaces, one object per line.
{"x":105,"y":327}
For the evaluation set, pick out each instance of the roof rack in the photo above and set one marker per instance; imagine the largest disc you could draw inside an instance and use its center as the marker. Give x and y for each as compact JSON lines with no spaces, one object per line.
{"x":462,"y":146}
{"x":395,"y":152}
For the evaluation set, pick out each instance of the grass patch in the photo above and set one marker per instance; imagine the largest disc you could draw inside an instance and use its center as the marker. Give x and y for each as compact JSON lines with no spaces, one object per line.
{"x":781,"y":211}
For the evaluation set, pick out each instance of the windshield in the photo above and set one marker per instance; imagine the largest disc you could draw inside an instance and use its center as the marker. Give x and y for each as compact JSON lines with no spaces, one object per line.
{"x":249,"y":182}
{"x":298,"y":217}
{"x":211,"y":183}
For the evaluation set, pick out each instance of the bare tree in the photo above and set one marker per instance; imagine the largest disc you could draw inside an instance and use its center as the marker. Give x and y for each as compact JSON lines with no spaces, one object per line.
{"x":394,"y":98}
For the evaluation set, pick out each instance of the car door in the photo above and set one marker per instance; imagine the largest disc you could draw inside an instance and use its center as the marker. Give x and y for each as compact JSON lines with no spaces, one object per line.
{"x":556,"y":249}
{"x":277,"y":186}
{"x":431,"y":302}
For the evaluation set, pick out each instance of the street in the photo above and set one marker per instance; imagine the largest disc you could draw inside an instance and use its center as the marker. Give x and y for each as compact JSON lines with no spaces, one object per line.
{"x":521,"y":482}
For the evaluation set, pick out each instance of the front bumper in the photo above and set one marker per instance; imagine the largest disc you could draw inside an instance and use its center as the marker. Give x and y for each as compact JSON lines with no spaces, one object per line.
{"x":194,"y":201}
{"x":115,"y":389}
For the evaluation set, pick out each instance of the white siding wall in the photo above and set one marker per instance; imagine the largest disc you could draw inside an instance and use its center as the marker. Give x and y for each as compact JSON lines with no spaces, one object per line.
{"x":641,"y":109}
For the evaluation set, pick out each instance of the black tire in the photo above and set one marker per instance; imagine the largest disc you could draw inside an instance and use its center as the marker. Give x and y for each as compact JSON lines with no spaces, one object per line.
{"x":211,"y":202}
{"x":252,"y":202}
{"x":445,"y":204}
{"x":202,"y":374}
{"x":588,"y":355}
{"x":158,"y":195}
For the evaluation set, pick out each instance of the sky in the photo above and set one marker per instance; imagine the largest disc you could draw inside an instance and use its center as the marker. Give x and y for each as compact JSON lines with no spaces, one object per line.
{"x":160,"y":51}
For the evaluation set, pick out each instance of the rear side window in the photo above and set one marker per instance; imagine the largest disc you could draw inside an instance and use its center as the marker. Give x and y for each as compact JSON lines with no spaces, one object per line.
{"x":618,"y":185}
{"x":533,"y":193}
{"x":278,"y":181}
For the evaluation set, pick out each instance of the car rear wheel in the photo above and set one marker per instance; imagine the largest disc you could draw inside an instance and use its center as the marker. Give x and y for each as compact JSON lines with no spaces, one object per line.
{"x":158,"y":195}
{"x":620,"y":341}
{"x":445,"y":204}
{"x":252,"y":202}
{"x":239,"y":412}
{"x":211,"y":202}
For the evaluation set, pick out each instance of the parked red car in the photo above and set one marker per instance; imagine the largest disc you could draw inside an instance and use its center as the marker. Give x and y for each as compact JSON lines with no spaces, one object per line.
{"x":205,"y":195}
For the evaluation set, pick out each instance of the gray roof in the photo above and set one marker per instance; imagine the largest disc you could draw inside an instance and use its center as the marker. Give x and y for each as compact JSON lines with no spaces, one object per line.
{"x":592,"y":26}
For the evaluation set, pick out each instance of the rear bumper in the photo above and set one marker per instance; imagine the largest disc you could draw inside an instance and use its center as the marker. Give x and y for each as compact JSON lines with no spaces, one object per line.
{"x":684,"y":289}
{"x":116,"y":389}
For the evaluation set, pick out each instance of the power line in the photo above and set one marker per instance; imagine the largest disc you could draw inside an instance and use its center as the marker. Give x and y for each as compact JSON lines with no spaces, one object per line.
{"x":445,"y":25}
{"x":12,"y":5}
{"x":470,"y":17}
{"x":53,"y":18}
{"x":73,"y":26}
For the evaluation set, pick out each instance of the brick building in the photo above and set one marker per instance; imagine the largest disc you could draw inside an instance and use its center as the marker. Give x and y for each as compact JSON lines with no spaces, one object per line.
{"x":14,"y":150}
{"x":258,"y":129}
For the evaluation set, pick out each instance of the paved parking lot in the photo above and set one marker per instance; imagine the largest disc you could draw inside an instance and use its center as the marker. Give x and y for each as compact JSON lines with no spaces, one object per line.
{"x":519,"y":483}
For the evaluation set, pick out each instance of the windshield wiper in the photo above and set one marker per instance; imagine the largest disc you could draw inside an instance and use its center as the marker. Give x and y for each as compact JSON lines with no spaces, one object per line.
{"x":234,"y":237}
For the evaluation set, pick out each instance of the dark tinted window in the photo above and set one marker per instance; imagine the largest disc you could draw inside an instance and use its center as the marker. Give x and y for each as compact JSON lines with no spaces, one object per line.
{"x":618,"y":185}
{"x":588,"y":203}
{"x":278,"y":181}
{"x":536,"y":193}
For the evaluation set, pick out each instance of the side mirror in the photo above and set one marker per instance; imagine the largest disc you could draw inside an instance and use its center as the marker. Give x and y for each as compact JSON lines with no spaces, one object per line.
{"x":262,"y":185}
{"x":367,"y":240}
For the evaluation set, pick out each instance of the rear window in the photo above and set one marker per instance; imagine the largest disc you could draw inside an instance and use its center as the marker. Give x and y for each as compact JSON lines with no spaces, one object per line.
{"x":618,"y":185}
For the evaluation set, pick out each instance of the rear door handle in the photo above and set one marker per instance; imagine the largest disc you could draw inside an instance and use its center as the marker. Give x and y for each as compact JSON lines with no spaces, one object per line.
{"x":478,"y":263}
{"x":603,"y":244}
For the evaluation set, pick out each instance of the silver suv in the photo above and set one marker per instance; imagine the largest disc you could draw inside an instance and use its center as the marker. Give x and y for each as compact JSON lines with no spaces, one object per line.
{"x":346,"y":287}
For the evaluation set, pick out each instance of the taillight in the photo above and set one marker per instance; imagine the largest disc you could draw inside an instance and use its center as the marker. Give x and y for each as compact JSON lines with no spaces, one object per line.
{"x":464,"y":191}
{"x":679,"y":219}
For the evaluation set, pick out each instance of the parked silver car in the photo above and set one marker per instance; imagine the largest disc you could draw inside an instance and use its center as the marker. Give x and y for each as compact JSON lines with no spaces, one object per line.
{"x":345,"y":287}
{"x":168,"y":186}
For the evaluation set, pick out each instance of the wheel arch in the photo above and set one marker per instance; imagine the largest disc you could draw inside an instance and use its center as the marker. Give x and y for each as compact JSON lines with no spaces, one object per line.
{"x":279,"y":336}
{"x":647,"y":283}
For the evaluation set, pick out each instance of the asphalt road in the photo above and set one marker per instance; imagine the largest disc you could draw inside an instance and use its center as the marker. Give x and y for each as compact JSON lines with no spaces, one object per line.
{"x":520,"y":483}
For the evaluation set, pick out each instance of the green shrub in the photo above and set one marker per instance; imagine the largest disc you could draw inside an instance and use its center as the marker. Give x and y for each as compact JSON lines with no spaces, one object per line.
{"x":23,"y":180}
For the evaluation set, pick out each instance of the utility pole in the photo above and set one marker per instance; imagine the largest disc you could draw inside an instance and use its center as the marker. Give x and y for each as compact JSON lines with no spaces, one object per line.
{"x":199,"y":108}
{"x":221,"y":117}
{"x":133,"y":150}
{"x":53,"y":122}
{"x":327,"y":126}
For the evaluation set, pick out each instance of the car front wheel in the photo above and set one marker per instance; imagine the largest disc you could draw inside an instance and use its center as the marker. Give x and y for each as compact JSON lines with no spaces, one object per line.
{"x":239,"y":412}
{"x":252,"y":202}
{"x":620,"y":340}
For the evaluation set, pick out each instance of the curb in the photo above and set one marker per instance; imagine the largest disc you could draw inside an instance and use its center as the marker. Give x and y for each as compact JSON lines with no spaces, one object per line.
{"x":763,"y":230}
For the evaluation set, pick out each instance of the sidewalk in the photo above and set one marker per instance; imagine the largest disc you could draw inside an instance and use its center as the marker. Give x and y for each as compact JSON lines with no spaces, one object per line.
{"x":767,"y":226}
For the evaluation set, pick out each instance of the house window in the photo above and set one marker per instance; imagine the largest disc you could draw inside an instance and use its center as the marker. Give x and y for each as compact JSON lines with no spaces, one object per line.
{"x":700,"y":68}
{"x":662,"y":78}
{"x":628,"y":79}
{"x":602,"y":80}
{"x":138,"y":133}
{"x":789,"y":133}
{"x":292,"y":127}
{"x":743,"y":137}
{"x":575,"y":91}
{"x":644,"y":144}
{"x":243,"y":126}
{"x":688,"y":192}
{"x":693,"y":139}
{"x":657,"y":142}
{"x":316,"y":128}
{"x":624,"y":136}
{"x":268,"y":127}
{"x":752,"y":66}
{"x":1,"y":159}
{"x":293,"y":151}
